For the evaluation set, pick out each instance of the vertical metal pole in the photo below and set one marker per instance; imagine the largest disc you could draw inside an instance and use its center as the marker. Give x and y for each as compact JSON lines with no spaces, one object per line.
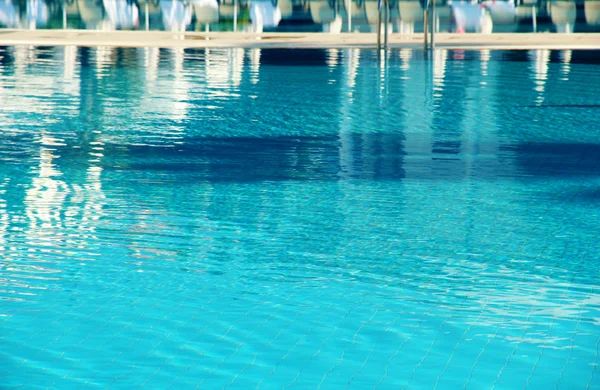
{"x":378,"y":29}
{"x":425,"y":29}
{"x":64,"y":16}
{"x":349,"y":11}
{"x":235,"y":14}
{"x":147,"y":16}
{"x":433,"y":25}
{"x":386,"y":23}
{"x":534,"y":17}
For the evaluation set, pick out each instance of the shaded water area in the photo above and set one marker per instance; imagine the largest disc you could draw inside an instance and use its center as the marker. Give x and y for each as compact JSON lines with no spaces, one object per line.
{"x":305,"y":219}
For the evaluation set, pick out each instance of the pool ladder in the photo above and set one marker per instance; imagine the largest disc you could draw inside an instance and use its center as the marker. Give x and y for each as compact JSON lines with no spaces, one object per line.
{"x":383,"y":8}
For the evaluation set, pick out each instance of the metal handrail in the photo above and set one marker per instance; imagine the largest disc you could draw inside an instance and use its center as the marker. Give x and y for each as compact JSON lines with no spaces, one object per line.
{"x":383,"y":6}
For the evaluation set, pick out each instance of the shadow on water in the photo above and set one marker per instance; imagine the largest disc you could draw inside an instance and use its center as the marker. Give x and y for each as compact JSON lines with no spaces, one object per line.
{"x":566,"y":106}
{"x":333,"y":157}
{"x":557,"y":159}
{"x":591,"y":196}
{"x":323,"y":158}
{"x":377,"y":156}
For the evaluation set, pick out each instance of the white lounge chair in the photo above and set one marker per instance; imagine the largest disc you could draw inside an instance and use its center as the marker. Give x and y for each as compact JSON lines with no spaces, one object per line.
{"x":563,"y":15}
{"x":264,"y":13}
{"x":9,"y":17}
{"x":176,"y":14}
{"x":592,"y":11}
{"x":206,"y":11}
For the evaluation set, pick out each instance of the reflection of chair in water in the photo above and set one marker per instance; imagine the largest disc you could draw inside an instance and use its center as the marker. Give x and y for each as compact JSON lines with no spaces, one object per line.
{"x":592,"y":11}
{"x":563,"y":15}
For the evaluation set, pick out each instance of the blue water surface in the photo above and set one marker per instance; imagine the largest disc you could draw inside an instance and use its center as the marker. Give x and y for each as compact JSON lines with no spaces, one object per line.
{"x":299,"y":219}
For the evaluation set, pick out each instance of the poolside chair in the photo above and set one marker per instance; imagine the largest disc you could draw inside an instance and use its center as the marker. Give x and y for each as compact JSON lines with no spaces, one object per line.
{"x":9,"y":17}
{"x":286,"y":7}
{"x":206,"y":11}
{"x":563,"y":15}
{"x":71,"y":8}
{"x":372,"y":13}
{"x":264,"y":13}
{"x":470,"y":17}
{"x":152,"y":13}
{"x":227,"y":8}
{"x":355,"y":9}
{"x":527,"y":9}
{"x":92,"y":14}
{"x":37,"y":14}
{"x":444,"y":15}
{"x":177,"y":15}
{"x":324,"y":12}
{"x":123,"y":14}
{"x":592,"y":11}
{"x":503,"y":14}
{"x":410,"y":14}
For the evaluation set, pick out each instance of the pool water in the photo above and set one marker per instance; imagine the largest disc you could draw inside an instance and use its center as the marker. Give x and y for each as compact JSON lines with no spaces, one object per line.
{"x":299,"y":219}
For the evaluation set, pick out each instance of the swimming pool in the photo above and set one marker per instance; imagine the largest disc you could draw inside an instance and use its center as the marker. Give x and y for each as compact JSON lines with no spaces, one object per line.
{"x":305,"y":219}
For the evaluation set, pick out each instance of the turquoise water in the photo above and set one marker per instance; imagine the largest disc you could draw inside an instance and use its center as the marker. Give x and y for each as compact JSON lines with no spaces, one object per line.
{"x":302,"y":219}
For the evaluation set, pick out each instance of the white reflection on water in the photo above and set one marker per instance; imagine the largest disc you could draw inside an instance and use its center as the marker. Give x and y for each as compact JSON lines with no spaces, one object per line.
{"x":103,"y":60}
{"x":484,"y":57}
{"x":539,"y":67}
{"x":352,"y":57}
{"x":350,"y":62}
{"x":223,"y":70}
{"x":180,"y":90}
{"x":405,"y":56}
{"x":254,"y":65}
{"x":439,"y":69}
{"x":45,"y":197}
{"x":565,"y":69}
{"x":332,"y":58}
{"x":151,"y":60}
{"x":4,"y":217}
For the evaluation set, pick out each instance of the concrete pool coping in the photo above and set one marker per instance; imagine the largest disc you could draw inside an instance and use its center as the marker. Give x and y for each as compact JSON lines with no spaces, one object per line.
{"x":497,"y":41}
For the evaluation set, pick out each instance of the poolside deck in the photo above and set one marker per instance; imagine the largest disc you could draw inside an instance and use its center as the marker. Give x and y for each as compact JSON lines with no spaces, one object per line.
{"x":496,"y":41}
